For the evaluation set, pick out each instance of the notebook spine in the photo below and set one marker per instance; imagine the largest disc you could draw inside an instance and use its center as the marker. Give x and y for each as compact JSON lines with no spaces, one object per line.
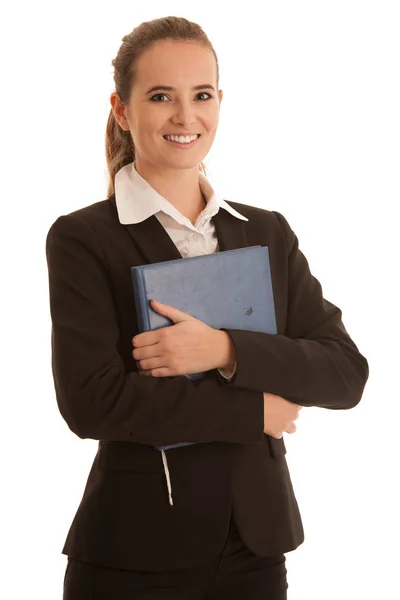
{"x":139,"y":292}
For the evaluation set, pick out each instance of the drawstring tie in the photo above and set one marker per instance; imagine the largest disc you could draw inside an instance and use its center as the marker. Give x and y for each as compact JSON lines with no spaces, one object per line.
{"x":166,"y":471}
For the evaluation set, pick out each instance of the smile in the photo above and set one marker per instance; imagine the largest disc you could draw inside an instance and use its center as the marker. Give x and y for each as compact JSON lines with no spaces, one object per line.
{"x":182,"y":141}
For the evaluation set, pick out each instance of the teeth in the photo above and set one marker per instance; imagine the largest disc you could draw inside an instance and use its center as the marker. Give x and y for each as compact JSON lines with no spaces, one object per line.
{"x":181,"y":139}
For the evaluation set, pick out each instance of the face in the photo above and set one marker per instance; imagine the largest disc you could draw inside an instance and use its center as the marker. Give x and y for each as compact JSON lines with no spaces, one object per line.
{"x":155,"y":111}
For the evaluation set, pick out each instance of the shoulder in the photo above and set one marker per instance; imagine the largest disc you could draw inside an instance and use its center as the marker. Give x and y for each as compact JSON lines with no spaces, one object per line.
{"x":83,"y":232}
{"x":96,"y":212}
{"x":97,"y":217}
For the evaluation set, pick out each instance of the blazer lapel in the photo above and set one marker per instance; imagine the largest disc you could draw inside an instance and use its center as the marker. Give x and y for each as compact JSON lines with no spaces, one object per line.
{"x":156,"y":245}
{"x":230,"y":231}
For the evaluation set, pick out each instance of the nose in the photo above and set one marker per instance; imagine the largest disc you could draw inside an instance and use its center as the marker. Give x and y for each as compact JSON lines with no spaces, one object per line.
{"x":185,"y":114}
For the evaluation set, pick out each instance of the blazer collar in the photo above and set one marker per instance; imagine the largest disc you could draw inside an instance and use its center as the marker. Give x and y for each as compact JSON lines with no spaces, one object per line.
{"x":149,"y":235}
{"x":155,"y":244}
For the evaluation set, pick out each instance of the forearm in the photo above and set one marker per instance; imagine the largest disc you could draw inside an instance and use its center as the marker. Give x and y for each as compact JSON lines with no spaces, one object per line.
{"x":322,"y":372}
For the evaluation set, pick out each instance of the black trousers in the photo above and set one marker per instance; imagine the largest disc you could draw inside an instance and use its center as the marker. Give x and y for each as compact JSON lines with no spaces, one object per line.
{"x":237,"y":574}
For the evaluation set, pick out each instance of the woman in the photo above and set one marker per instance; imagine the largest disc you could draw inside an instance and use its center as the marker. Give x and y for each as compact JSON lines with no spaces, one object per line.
{"x":216,"y":519}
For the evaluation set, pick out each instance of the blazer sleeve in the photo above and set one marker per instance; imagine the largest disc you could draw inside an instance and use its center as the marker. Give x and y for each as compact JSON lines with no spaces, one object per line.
{"x":315,"y":363}
{"x":96,"y":395}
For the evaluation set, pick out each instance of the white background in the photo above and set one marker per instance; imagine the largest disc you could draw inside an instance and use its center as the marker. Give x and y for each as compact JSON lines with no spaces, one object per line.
{"x":310,"y":127}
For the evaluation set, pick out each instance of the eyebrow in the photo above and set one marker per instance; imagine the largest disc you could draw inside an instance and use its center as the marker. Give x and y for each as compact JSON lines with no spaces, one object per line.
{"x":168,"y":88}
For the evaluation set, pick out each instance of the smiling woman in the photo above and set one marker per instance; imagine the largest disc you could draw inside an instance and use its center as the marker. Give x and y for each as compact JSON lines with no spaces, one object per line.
{"x":234,"y":513}
{"x":183,"y":69}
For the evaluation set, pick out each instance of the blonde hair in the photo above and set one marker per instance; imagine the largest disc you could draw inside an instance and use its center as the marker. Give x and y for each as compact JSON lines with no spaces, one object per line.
{"x":120,"y":149}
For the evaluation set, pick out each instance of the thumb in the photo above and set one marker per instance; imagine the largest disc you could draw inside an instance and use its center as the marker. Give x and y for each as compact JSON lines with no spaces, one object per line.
{"x":169,"y":311}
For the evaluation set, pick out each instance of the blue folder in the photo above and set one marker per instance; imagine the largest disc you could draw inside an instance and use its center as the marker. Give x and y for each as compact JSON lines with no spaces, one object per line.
{"x":230,"y":289}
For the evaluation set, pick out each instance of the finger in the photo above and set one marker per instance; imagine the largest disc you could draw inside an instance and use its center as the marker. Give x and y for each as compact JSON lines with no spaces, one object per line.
{"x":149,"y":364}
{"x":171,"y":312}
{"x":147,"y":338}
{"x":157,"y":373}
{"x":146,"y":352}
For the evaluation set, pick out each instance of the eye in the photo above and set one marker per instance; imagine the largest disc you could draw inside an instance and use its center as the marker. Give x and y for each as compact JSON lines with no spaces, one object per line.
{"x":207,"y":94}
{"x":155,"y":96}
{"x":158,"y":95}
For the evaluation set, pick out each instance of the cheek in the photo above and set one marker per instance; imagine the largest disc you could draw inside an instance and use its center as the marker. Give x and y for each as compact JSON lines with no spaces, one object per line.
{"x":211,"y":131}
{"x":211,"y":122}
{"x":146,"y":124}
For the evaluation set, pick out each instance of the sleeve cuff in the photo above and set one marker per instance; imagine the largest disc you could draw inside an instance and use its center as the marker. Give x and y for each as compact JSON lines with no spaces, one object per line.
{"x":226,"y":374}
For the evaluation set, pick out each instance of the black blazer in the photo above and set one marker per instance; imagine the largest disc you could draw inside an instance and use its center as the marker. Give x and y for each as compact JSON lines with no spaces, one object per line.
{"x":124,"y":519}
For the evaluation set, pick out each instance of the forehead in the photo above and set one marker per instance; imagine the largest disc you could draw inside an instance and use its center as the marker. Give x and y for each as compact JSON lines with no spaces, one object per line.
{"x":177,"y":64}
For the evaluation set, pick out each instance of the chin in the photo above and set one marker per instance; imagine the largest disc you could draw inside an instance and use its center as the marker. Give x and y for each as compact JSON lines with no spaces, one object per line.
{"x":184,"y":162}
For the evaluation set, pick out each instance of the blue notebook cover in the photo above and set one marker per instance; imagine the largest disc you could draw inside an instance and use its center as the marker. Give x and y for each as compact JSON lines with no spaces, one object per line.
{"x":230,"y":289}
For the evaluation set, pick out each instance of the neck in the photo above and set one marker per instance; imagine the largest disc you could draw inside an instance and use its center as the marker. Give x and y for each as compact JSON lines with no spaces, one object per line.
{"x":181,"y":187}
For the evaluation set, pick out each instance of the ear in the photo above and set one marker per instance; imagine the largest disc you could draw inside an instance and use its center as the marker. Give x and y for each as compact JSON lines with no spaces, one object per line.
{"x":220,"y":95}
{"x":119,"y":111}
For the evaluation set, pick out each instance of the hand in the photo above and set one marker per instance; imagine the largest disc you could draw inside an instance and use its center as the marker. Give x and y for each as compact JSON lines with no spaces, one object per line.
{"x":189,"y":346}
{"x":279,"y":415}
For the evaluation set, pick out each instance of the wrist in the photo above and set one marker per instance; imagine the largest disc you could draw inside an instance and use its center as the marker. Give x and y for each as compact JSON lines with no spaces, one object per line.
{"x":227,"y":353}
